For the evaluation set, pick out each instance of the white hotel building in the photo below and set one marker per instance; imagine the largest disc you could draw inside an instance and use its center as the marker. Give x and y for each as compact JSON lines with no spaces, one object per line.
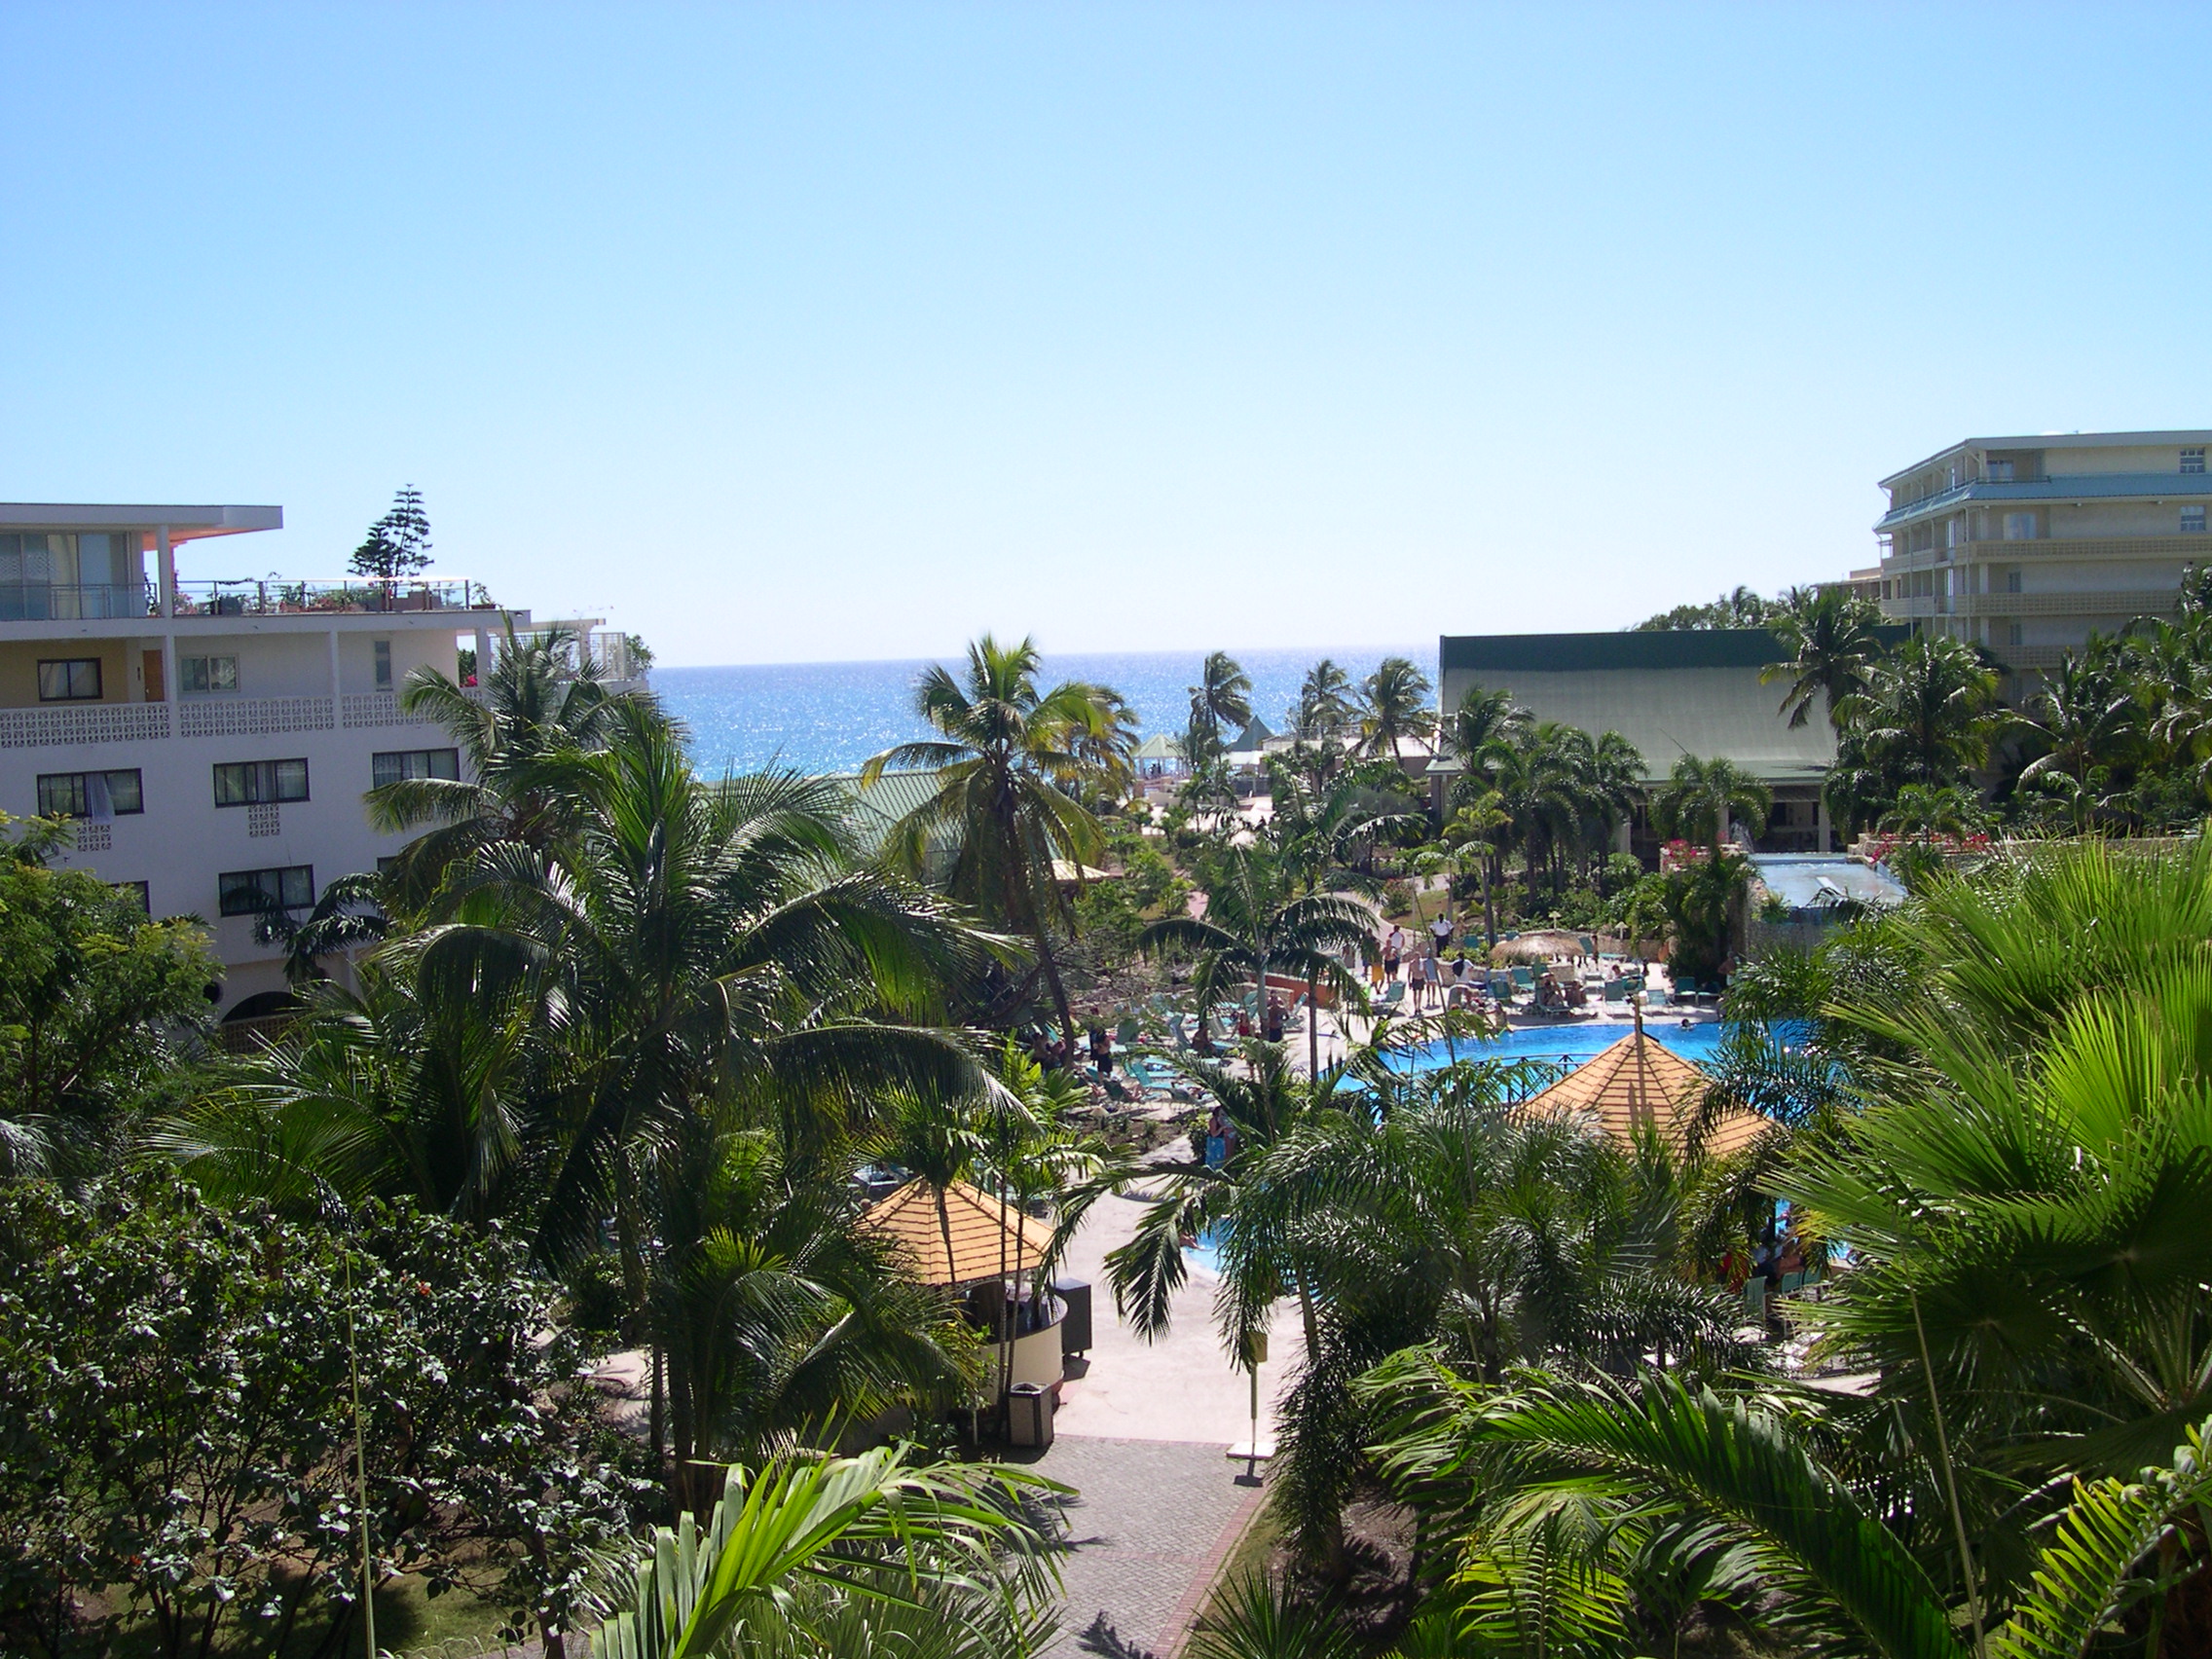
{"x":214,"y":736}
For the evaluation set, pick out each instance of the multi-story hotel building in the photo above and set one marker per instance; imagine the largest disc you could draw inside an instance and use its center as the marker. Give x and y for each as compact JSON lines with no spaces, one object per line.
{"x":2026,"y":545}
{"x":212,"y":737}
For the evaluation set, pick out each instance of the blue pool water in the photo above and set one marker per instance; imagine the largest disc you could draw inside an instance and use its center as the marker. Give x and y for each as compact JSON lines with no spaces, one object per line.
{"x":1572,"y":1044}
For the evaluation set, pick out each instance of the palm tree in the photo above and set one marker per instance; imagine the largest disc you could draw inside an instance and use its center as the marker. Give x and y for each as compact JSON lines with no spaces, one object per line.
{"x":1324,"y":708}
{"x":1701,"y":797}
{"x":846,"y":1555}
{"x":1011,"y":758}
{"x":384,"y":1092}
{"x":1221,"y":700}
{"x":537,"y":698}
{"x":1254,"y":926}
{"x":1832,"y":637}
{"x":2086,"y":718}
{"x":1578,"y":1512}
{"x":1469,"y":838}
{"x":697,"y":950}
{"x":1924,"y":811}
{"x":1395,"y":702}
{"x":1925,"y":716}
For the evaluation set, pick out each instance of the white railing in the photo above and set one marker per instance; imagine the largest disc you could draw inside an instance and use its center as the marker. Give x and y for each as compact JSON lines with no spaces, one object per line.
{"x":83,"y":723}
{"x":374,"y":709}
{"x":251,"y":716}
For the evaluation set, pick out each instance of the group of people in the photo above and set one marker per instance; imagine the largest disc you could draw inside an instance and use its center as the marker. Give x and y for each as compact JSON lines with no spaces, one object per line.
{"x":1430,"y":979}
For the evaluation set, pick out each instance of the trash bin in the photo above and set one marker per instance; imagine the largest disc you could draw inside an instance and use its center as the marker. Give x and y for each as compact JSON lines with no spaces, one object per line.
{"x":1029,"y":1415}
{"x":1074,"y":1322}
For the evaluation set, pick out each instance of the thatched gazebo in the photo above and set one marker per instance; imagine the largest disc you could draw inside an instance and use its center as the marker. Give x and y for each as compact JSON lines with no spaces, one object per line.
{"x":1640,"y":1084}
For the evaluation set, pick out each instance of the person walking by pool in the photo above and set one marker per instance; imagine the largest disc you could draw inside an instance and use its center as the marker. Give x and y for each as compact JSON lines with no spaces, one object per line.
{"x":1441,"y":929}
{"x":1394,"y":952}
{"x":1431,"y":980}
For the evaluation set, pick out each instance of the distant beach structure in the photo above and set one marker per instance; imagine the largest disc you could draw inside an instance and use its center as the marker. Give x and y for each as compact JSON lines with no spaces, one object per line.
{"x":830,"y":717}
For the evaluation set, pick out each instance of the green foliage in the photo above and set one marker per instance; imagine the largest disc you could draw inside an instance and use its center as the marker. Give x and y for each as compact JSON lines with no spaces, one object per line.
{"x":848,"y":1555}
{"x":175,"y":1422}
{"x":1742,"y":609}
{"x":98,"y":1004}
{"x":398,"y":545}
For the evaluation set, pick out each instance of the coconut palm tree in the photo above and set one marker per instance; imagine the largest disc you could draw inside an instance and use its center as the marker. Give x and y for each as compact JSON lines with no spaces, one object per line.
{"x":2087,"y":717}
{"x":1700,"y":797}
{"x":1831,"y":635}
{"x":1011,"y":761}
{"x":539,"y":696}
{"x":1255,"y":926}
{"x":1927,"y":716}
{"x":1395,"y":705}
{"x":1221,"y":701}
{"x":696,"y":948}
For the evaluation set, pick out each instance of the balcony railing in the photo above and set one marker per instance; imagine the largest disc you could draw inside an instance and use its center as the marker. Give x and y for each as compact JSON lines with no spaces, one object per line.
{"x":274,"y":596}
{"x":83,"y":723}
{"x":71,"y":602}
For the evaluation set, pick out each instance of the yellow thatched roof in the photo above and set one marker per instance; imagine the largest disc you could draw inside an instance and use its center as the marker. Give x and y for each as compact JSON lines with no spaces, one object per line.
{"x":911,"y":1218}
{"x":1641,"y":1082}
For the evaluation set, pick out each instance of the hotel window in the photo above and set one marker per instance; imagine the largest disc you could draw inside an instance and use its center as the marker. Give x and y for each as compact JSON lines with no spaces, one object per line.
{"x":249,"y":782}
{"x":2011,"y":581}
{"x":209,"y":672}
{"x":2192,"y":520}
{"x":70,"y":680}
{"x":139,"y":891}
{"x":2016,"y":634}
{"x":383,"y":649}
{"x":2001,"y":472}
{"x":2192,"y":461}
{"x":392,"y":767}
{"x":97,"y":796}
{"x":256,"y":892}
{"x":2019,"y":526}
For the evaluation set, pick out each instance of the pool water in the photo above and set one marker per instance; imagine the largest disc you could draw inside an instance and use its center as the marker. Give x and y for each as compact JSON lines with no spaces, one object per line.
{"x":1572,"y":1044}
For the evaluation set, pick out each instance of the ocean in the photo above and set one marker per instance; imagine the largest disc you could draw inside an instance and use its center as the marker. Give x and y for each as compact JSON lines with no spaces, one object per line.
{"x":830,"y":717}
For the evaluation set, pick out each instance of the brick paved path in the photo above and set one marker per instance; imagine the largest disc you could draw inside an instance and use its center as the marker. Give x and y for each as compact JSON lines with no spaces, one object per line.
{"x":1147,"y":1537}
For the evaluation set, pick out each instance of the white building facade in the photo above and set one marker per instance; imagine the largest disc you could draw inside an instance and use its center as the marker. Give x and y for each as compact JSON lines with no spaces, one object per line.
{"x":213,"y":738}
{"x":2027,"y":545}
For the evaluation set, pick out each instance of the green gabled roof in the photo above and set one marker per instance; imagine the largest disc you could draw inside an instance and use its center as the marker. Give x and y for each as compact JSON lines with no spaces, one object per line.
{"x":879,"y":806}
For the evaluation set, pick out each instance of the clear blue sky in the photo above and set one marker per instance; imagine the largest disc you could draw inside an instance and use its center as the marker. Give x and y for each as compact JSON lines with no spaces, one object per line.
{"x":813,"y":332}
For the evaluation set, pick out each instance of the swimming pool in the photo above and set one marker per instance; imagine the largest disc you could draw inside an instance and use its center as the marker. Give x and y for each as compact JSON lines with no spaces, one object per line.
{"x":1572,"y":1044}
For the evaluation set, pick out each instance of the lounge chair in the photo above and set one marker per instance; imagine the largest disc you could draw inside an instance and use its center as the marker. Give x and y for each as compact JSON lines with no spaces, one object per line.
{"x":1393,"y":995}
{"x":1615,"y":992}
{"x":1523,"y":978}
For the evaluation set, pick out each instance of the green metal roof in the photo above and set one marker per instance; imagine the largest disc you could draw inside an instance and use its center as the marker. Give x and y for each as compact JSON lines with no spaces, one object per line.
{"x":1670,"y":693}
{"x":876,"y":808}
{"x":1673,"y":647}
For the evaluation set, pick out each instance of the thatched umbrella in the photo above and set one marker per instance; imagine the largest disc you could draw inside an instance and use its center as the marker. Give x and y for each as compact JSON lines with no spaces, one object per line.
{"x":1539,"y":946}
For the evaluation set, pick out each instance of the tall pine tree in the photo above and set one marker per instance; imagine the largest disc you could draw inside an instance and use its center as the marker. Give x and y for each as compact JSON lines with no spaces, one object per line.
{"x":398,"y":545}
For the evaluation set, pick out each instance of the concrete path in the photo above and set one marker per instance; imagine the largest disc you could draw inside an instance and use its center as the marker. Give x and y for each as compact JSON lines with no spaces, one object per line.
{"x":1180,"y":1388}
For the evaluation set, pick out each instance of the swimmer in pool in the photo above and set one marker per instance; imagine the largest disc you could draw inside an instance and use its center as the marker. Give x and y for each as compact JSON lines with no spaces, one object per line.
{"x":1685,"y":1022}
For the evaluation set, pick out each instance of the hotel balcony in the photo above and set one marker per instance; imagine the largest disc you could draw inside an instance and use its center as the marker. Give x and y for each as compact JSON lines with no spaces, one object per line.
{"x":198,"y":717}
{"x":2115,"y":602}
{"x":1994,"y":550}
{"x":274,"y":596}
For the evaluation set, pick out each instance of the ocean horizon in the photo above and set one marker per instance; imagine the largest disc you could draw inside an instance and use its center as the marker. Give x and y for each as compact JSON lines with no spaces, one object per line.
{"x":830,"y":717}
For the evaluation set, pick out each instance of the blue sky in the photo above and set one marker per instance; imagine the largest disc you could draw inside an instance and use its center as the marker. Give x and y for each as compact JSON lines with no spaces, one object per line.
{"x":815,"y":332}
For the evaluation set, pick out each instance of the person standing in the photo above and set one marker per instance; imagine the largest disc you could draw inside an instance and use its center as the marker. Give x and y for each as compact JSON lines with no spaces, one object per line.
{"x":1394,"y":952}
{"x":1441,"y":929}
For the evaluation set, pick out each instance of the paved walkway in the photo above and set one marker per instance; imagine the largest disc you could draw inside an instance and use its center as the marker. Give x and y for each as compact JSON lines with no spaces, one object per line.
{"x":1143,"y":1432}
{"x":1147,"y":1537}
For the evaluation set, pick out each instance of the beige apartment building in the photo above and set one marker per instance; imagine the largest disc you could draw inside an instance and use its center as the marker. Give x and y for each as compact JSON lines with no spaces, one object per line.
{"x":2027,"y":545}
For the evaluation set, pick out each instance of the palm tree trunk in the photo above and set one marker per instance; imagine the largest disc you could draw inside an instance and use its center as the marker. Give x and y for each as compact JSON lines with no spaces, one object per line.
{"x":1059,"y":992}
{"x":1313,"y":1025}
{"x":1490,"y":907}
